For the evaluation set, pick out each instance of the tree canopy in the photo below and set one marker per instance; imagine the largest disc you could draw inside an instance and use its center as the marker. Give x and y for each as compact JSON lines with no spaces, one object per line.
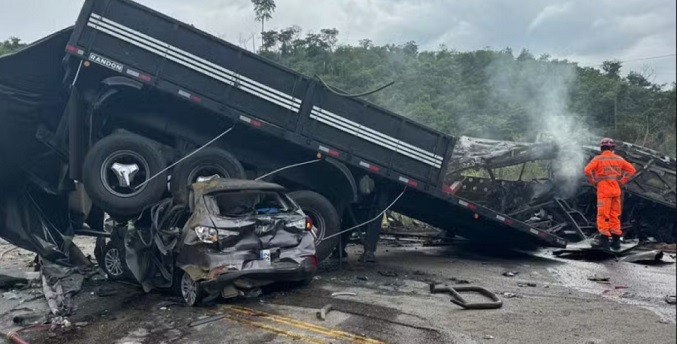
{"x":10,"y":45}
{"x":263,"y":9}
{"x":488,"y":93}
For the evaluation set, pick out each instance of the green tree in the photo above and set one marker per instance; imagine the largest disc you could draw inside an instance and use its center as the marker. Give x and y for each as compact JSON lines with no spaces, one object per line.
{"x":10,"y":45}
{"x":612,"y":68}
{"x":263,"y":9}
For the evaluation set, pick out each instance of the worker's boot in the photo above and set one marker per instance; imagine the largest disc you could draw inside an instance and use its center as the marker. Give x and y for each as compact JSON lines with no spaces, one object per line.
{"x":615,"y":242}
{"x":601,"y":242}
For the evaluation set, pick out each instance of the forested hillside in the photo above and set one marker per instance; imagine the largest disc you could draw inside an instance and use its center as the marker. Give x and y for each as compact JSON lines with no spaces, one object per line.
{"x":488,"y":93}
{"x":484,"y":93}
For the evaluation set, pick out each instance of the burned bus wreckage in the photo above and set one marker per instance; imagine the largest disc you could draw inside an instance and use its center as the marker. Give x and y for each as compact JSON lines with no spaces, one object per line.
{"x":126,"y":111}
{"x":526,"y":181}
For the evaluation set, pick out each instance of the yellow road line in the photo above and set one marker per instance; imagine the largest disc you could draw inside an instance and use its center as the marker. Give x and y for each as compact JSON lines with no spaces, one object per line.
{"x":307,"y":326}
{"x":280,"y":331}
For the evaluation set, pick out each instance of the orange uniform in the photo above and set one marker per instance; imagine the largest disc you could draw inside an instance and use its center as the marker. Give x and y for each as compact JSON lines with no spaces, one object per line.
{"x":608,"y":172}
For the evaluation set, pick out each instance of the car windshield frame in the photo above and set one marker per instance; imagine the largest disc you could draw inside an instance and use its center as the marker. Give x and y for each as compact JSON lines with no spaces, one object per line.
{"x":217,"y":203}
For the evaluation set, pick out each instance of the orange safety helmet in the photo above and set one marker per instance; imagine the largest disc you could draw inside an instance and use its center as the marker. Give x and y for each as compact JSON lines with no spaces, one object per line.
{"x":607,"y":142}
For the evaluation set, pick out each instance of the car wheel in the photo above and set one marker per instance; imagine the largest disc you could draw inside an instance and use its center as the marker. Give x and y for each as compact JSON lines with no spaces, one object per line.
{"x":325,"y":220}
{"x":116,"y":174}
{"x":113,"y":263}
{"x":207,"y":163}
{"x":191,"y":291}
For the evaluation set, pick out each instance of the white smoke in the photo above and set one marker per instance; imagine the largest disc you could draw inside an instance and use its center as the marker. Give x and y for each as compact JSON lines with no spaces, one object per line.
{"x":542,"y":89}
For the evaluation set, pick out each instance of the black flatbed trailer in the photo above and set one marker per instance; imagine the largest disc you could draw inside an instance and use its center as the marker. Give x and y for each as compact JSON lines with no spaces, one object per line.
{"x":161,"y":53}
{"x":130,"y":68}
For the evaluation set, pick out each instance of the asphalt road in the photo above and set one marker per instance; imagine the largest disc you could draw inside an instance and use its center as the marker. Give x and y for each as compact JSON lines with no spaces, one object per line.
{"x":549,"y":300}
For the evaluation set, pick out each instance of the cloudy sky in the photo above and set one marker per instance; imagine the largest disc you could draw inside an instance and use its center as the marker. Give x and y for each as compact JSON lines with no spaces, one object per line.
{"x":639,"y":32}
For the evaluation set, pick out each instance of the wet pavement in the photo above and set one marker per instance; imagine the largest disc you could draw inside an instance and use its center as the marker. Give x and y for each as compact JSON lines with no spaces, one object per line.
{"x":644,"y":285}
{"x":549,"y":300}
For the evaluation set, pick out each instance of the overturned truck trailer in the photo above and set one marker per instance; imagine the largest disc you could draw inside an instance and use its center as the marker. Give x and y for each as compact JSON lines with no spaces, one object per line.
{"x":543,"y":185}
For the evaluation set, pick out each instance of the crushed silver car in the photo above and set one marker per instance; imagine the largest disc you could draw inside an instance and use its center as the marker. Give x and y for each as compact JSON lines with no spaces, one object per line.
{"x":232,"y":237}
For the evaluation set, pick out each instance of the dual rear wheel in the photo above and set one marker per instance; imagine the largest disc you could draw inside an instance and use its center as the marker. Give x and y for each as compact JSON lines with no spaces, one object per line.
{"x":124,"y":173}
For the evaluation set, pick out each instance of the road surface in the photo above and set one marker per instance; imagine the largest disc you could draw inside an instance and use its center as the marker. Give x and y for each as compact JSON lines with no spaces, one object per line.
{"x":549,"y":300}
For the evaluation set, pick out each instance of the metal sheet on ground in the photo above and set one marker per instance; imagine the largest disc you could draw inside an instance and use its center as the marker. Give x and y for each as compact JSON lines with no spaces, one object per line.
{"x":584,"y":246}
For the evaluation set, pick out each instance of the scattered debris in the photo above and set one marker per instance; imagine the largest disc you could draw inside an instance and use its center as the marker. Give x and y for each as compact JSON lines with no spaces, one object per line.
{"x":598,"y":279}
{"x":648,"y":257}
{"x":32,"y":275}
{"x":206,"y":320}
{"x":28,"y":318}
{"x":59,"y":285}
{"x":528,"y":284}
{"x":81,"y":324}
{"x":170,"y":302}
{"x":105,"y":291}
{"x":509,"y":295}
{"x":252,"y":293}
{"x":343,"y":293}
{"x":620,"y":287}
{"x":322,"y":313}
{"x":419,"y":273}
{"x":388,"y":273}
{"x":670,"y":248}
{"x":8,"y":282}
{"x":458,"y":300}
{"x":10,"y":295}
{"x":459,"y":281}
{"x":510,"y":273}
{"x":671,"y":299}
{"x":362,"y":278}
{"x":489,"y":337}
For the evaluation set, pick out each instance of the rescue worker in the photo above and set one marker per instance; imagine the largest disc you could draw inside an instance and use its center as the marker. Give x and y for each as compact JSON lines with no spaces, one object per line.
{"x":608,"y":172}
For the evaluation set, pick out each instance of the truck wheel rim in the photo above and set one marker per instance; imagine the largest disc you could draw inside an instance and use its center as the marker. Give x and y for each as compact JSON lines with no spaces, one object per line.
{"x":113,"y":262}
{"x":111,"y":180}
{"x":188,"y":289}
{"x":207,"y":170}
{"x":319,"y":225}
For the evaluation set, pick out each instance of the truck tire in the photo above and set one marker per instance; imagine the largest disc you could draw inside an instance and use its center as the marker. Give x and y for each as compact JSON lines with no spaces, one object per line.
{"x":207,"y":162}
{"x":114,"y":169}
{"x":325,"y":220}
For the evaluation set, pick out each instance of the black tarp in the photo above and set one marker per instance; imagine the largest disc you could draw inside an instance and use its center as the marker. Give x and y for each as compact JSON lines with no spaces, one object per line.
{"x":37,"y":221}
{"x":32,"y":95}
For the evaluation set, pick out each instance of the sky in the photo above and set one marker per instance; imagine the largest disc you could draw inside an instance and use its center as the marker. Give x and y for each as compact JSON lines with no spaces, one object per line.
{"x":639,"y":32}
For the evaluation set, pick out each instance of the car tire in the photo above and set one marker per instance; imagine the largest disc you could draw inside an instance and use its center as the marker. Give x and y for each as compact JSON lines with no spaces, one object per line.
{"x":107,"y":191}
{"x":113,"y":263}
{"x":191,"y":291}
{"x":209,"y":160}
{"x":325,"y":219}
